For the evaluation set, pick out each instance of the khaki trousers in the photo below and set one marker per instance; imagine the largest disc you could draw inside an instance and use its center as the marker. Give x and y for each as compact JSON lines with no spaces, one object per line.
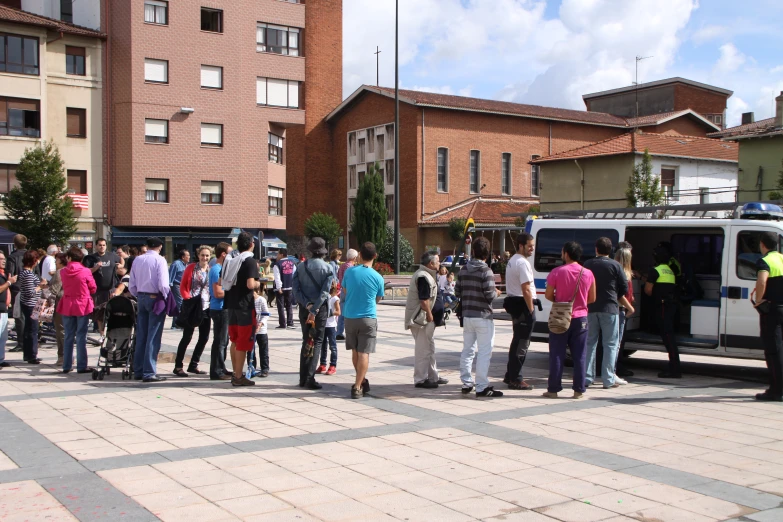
{"x":425,"y":367}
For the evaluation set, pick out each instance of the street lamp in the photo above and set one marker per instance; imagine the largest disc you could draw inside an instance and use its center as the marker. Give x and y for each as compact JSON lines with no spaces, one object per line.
{"x":396,"y":138}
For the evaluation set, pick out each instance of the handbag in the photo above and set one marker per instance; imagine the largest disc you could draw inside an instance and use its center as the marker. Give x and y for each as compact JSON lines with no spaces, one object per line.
{"x":191,"y":313}
{"x":44,"y":310}
{"x":560,"y":314}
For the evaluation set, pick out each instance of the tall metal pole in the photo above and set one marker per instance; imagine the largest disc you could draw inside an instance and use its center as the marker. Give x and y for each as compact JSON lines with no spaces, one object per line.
{"x":377,"y":66}
{"x":396,"y":138}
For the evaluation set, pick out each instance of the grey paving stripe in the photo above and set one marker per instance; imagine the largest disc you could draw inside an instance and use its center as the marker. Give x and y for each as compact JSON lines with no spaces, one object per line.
{"x":739,"y":495}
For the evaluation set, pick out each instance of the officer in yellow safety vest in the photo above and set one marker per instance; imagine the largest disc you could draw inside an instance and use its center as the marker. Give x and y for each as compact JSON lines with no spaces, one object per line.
{"x":662,"y":287}
{"x":769,"y":303}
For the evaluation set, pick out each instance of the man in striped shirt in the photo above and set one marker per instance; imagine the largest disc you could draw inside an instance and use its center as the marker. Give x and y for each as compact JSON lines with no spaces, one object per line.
{"x":476,"y":289}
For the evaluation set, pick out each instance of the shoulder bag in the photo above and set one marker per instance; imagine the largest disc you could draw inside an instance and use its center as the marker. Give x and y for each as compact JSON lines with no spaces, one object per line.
{"x":560,"y":314}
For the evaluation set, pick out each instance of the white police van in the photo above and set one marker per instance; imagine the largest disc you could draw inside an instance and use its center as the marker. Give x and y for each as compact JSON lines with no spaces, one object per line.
{"x":720,"y":254}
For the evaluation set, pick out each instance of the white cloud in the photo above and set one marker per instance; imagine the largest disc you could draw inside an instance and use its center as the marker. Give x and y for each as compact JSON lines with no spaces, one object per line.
{"x":776,"y":70}
{"x":730,"y":59}
{"x":709,"y":33}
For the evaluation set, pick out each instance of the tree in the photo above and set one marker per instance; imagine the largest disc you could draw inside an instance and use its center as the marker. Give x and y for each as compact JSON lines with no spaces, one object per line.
{"x":457,"y":231}
{"x":369,"y":217}
{"x":643,"y":187}
{"x":386,"y":251}
{"x":323,"y":226}
{"x":778,"y":194}
{"x":38,"y":207}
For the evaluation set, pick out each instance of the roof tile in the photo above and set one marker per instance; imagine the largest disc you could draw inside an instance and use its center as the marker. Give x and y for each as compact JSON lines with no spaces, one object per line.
{"x":748,"y":128}
{"x":484,"y":210}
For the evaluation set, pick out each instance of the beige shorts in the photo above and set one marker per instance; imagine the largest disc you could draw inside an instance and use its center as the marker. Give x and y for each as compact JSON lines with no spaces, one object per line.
{"x":361,"y":334}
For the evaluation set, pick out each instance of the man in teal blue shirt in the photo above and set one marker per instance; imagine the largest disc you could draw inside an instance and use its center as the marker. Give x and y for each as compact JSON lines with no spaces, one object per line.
{"x":364,"y":288}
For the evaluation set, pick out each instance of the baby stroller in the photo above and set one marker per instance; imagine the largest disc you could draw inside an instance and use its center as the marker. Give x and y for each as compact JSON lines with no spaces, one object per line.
{"x":119,"y":342}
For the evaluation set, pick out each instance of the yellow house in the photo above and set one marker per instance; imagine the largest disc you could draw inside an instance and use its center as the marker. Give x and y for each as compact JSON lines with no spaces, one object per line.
{"x":51,"y":88}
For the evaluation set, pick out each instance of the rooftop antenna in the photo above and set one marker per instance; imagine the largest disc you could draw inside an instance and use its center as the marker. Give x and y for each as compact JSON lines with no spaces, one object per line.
{"x":636,"y":82}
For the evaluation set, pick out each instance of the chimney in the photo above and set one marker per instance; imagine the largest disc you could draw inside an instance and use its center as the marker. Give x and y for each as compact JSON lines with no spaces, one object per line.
{"x":779,"y":110}
{"x":748,"y":117}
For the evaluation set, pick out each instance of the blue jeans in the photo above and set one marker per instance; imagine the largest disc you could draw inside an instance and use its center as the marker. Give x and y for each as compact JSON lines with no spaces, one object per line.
{"x":478,"y":335}
{"x":605,"y":324}
{"x":330,"y":339}
{"x":574,"y":338}
{"x":178,"y":300}
{"x":75,"y":329}
{"x":3,"y":335}
{"x":149,"y":329}
{"x":341,"y":318}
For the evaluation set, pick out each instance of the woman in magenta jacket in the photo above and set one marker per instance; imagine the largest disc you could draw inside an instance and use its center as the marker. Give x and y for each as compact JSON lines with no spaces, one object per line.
{"x":75,"y":307}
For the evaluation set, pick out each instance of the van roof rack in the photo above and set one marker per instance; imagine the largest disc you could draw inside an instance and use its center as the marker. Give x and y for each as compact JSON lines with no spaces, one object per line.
{"x":707,"y":210}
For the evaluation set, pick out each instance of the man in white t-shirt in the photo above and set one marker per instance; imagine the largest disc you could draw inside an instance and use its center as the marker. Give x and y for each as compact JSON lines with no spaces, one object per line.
{"x":48,"y":268}
{"x":521,"y":291}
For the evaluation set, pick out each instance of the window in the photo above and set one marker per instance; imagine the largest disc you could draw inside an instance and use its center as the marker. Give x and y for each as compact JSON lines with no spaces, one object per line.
{"x":550,"y":241}
{"x":379,"y":154}
{"x":277,"y":93}
{"x":156,"y":71}
{"x":156,"y":131}
{"x":66,"y":11}
{"x":718,"y":119}
{"x":211,"y":77}
{"x":277,"y":39}
{"x":362,"y":155}
{"x":352,"y":144}
{"x":74,"y":60}
{"x":18,"y":54}
{"x":361,"y":175}
{"x":20,"y":117}
{"x":390,"y":172}
{"x":276,"y":201}
{"x":371,"y":141}
{"x":211,"y":20}
{"x":275,"y":148}
{"x":390,"y":207}
{"x":475,"y":171}
{"x":7,"y":178}
{"x":351,"y":209}
{"x":212,"y":192}
{"x":352,"y":177}
{"x":390,"y":137}
{"x":443,"y":169}
{"x":748,"y":253}
{"x":704,"y":195}
{"x":535,"y":177}
{"x":212,"y":134}
{"x":668,"y":181}
{"x":379,"y":170}
{"x":156,"y":190}
{"x":77,"y":181}
{"x":156,"y":12}
{"x":76,"y":123}
{"x":505,"y":173}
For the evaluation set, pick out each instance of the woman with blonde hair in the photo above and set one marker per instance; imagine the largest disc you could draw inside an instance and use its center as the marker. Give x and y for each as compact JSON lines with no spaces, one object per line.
{"x":623,"y":256}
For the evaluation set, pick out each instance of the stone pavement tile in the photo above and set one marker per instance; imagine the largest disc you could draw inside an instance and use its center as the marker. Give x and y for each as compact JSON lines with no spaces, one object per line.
{"x":666,"y":475}
{"x":537,"y":476}
{"x":381,"y":470}
{"x":771,"y":515}
{"x":342,"y":510}
{"x":394,"y":502}
{"x":407,"y":438}
{"x":255,"y":471}
{"x":289,"y":515}
{"x":412,"y":480}
{"x":713,"y":507}
{"x":72,"y":435}
{"x":281,"y":482}
{"x":574,"y":468}
{"x":279,"y":454}
{"x":446,"y":492}
{"x":6,"y":463}
{"x":616,"y":480}
{"x":575,"y":488}
{"x":621,"y":502}
{"x":362,"y":487}
{"x":236,"y":460}
{"x":331,"y":476}
{"x":532,"y":497}
{"x":738,"y":494}
{"x":575,"y":511}
{"x":489,"y":485}
{"x":227,"y":491}
{"x":254,"y":505}
{"x":133,"y":488}
{"x":169,"y":499}
{"x":309,"y":463}
{"x":444,"y":433}
{"x":131,"y":473}
{"x":200,"y":512}
{"x":537,"y":458}
{"x":775,"y":487}
{"x":524,"y":515}
{"x":671,"y":514}
{"x":147,"y":447}
{"x":433,"y":512}
{"x":310,"y":495}
{"x":661,"y":493}
{"x":483,"y":507}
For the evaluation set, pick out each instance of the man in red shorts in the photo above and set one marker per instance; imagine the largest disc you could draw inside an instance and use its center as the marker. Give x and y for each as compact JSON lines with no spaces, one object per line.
{"x":240,"y":278}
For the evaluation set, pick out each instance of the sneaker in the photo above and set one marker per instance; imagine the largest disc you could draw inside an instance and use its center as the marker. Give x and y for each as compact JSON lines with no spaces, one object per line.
{"x":578,"y":395}
{"x":427,"y":384}
{"x":264,"y":373}
{"x":356,"y":393}
{"x":291,"y":327}
{"x":466,"y":390}
{"x":331,"y":371}
{"x":620,"y":380}
{"x":613,"y":385}
{"x":519,"y":385}
{"x":549,"y":395}
{"x":489,"y":391}
{"x":340,"y":338}
{"x":321,"y":369}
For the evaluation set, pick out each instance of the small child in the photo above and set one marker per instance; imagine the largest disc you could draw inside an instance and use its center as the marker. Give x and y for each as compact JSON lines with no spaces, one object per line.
{"x":330,"y":335}
{"x":449,"y":295}
{"x":262,"y":314}
{"x":442,"y":275}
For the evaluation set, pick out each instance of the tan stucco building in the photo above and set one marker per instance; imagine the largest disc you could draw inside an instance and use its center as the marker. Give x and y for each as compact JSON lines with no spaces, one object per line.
{"x":51,"y":88}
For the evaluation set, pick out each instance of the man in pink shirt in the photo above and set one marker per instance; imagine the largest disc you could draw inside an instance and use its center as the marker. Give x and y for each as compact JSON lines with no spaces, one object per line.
{"x":567,"y":282}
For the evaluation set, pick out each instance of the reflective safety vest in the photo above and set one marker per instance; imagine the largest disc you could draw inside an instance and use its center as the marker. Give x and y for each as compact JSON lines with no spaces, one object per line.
{"x":775,"y":262}
{"x":665,"y":274}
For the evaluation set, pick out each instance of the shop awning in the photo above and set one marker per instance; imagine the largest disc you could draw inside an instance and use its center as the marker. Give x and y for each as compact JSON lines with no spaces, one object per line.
{"x":270,"y":241}
{"x":210,"y":236}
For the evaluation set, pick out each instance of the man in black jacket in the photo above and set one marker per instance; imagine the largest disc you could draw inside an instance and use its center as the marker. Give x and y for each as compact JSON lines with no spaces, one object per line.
{"x":14,"y":267}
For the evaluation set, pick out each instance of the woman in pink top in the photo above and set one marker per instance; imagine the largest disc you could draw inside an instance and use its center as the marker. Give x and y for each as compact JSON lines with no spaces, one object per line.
{"x":560,"y":287}
{"x":75,"y":307}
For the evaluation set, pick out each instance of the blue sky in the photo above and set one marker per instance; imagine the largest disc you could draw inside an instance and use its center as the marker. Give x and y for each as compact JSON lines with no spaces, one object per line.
{"x":552,"y":52}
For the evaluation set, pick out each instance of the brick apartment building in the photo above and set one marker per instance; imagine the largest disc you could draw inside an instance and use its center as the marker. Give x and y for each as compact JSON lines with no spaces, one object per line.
{"x":463,"y":157}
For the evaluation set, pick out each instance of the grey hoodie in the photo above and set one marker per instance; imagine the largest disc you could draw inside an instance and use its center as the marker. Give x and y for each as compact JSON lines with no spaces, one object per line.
{"x":476,"y":288}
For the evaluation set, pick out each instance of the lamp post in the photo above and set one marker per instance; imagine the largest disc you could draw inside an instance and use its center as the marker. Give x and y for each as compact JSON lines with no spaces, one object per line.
{"x":396,"y":138}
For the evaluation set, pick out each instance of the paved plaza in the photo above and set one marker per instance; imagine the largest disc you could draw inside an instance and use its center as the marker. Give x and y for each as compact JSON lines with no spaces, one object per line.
{"x":192,"y":449}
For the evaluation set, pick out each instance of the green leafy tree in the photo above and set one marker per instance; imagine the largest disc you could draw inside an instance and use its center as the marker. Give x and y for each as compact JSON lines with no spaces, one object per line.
{"x":644,"y":188}
{"x":778,"y":194}
{"x":369,"y":217}
{"x":386,"y":251}
{"x":457,"y":231}
{"x":38,"y":207}
{"x":323,"y":226}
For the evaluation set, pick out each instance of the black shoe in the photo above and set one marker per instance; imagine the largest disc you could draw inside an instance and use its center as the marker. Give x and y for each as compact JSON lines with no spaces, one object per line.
{"x":4,"y":364}
{"x":669,"y":375}
{"x":264,"y":374}
{"x":340,"y":338}
{"x":489,"y":391}
{"x":69,"y":371}
{"x":16,"y":348}
{"x":194,"y":370}
{"x":136,"y":378}
{"x":312,"y":384}
{"x":33,"y":361}
{"x":443,"y":381}
{"x":180,"y":373}
{"x":768,"y":397}
{"x":291,"y":327}
{"x":624,"y":373}
{"x":86,"y":370}
{"x":427,"y":384}
{"x":365,"y":386}
{"x":156,"y":378}
{"x":466,"y":390}
{"x":302,"y":384}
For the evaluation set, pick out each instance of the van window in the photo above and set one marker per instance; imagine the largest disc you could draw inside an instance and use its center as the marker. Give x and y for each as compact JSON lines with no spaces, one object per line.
{"x":701,"y":252}
{"x":550,"y":241}
{"x":748,"y":253}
